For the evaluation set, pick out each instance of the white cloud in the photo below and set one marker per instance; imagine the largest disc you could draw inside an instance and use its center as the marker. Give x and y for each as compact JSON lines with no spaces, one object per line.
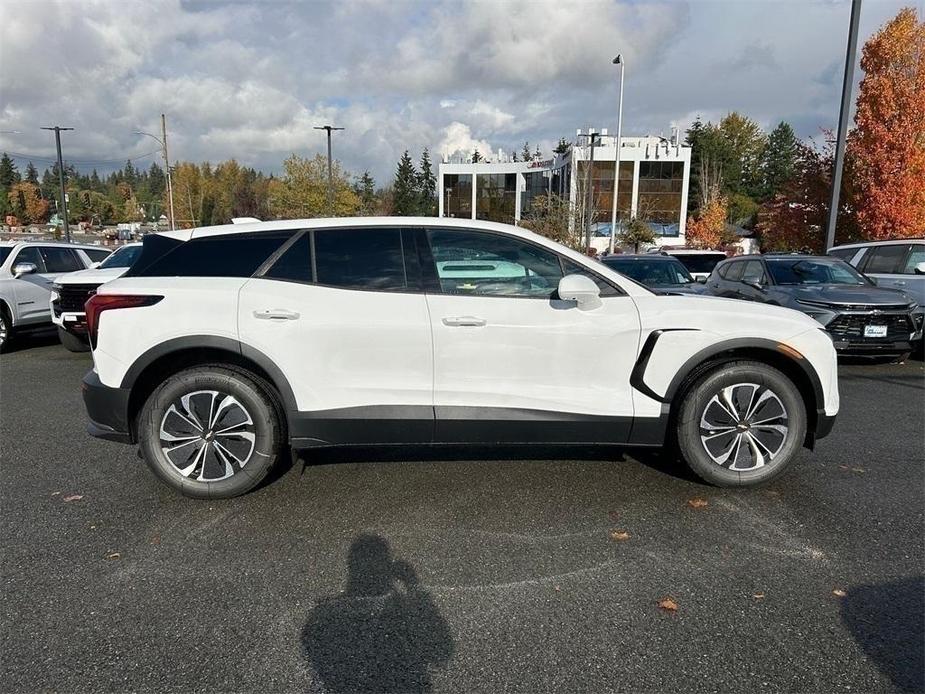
{"x":458,"y":140}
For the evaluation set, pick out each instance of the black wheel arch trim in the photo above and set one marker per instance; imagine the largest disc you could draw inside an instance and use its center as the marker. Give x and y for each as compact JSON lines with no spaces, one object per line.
{"x":215,"y":342}
{"x":710,"y":353}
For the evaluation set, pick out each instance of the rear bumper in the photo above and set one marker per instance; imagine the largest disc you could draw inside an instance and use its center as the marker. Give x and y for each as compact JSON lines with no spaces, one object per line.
{"x":107,"y":409}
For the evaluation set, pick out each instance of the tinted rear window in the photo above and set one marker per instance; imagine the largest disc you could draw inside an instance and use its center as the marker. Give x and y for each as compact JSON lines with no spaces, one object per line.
{"x":700,"y":262}
{"x":97,"y":254}
{"x":360,"y":259}
{"x":886,"y":259}
{"x":295,"y":263}
{"x":229,"y":255}
{"x":4,"y":254}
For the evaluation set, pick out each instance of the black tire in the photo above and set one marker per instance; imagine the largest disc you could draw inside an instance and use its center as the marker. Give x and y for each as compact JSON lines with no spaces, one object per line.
{"x":6,"y":328}
{"x":250,"y":395}
{"x":71,"y":342}
{"x":764,"y":450}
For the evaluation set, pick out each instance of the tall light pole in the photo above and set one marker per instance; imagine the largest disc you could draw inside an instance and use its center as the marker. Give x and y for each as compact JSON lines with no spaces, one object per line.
{"x":843,"y":121}
{"x":616,"y":165}
{"x":329,"y":128}
{"x":163,"y":144}
{"x":593,"y":138}
{"x":58,"y":129}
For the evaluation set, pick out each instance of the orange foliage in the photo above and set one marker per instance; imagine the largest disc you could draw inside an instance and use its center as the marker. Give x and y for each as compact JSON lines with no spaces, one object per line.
{"x":27,"y":203}
{"x":887,"y":147}
{"x":708,"y":230}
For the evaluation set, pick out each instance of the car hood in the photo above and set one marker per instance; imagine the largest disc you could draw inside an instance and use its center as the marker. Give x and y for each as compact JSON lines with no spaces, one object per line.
{"x":94,"y":276}
{"x":686,"y":289}
{"x":842,"y":294}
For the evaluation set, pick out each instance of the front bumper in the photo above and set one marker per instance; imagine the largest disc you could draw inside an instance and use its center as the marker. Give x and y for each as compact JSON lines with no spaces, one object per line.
{"x":847,"y":329}
{"x":107,"y":409}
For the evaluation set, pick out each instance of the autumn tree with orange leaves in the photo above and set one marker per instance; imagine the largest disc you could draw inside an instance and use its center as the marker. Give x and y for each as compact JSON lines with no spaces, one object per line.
{"x":886,"y":149}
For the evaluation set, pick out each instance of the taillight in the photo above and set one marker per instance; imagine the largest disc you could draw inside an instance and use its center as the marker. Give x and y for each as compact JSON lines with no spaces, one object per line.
{"x":98,"y":303}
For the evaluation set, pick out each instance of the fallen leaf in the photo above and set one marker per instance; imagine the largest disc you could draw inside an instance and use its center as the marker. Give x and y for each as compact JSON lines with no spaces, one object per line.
{"x":73,"y":497}
{"x":557,"y":589}
{"x":858,"y":469}
{"x":113,"y":555}
{"x":838,"y":592}
{"x":843,"y":467}
{"x":156,"y":540}
{"x":619,"y":535}
{"x":668,"y":604}
{"x":758,"y":596}
{"x":697,"y":502}
{"x":55,"y":493}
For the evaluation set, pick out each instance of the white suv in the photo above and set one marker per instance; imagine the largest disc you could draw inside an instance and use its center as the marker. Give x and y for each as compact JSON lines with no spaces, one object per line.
{"x":28,"y":270}
{"x":222,"y":346}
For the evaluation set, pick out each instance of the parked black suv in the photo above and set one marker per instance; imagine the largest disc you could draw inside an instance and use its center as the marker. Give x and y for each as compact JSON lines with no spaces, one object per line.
{"x":862,"y":318}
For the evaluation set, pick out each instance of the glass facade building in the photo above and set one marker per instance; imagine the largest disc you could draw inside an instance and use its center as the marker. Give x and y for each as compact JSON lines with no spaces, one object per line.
{"x":654,"y":181}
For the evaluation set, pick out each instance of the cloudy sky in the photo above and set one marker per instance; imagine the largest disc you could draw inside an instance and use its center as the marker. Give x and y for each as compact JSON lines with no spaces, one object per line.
{"x":249,"y":80}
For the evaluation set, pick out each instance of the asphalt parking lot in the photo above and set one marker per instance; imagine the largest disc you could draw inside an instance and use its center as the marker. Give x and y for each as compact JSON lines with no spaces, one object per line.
{"x":371,"y":570}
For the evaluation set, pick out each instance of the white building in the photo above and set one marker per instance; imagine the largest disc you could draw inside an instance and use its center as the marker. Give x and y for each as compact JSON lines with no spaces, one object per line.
{"x":654,"y":182}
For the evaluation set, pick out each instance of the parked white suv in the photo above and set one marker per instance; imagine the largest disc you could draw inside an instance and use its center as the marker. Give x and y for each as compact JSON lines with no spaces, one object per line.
{"x":222,"y":346}
{"x":71,"y":291}
{"x":27,"y":272}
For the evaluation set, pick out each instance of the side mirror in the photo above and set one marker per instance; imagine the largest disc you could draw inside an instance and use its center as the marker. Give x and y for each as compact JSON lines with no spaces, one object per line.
{"x":20,"y":269}
{"x":919,"y":269}
{"x":701,"y":279}
{"x":580,"y":289}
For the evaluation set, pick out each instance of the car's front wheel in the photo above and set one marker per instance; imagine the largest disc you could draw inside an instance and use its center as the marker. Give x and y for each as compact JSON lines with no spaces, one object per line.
{"x":5,"y":328}
{"x":211,"y":431}
{"x":741,"y":424}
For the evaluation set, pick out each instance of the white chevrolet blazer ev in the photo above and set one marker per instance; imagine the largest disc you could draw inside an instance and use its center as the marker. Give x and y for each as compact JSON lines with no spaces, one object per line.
{"x":221,"y":346}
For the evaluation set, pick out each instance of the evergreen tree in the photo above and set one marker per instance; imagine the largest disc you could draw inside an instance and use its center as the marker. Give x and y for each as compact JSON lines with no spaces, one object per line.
{"x":427,"y":187}
{"x":562,"y":147}
{"x":405,"y":188}
{"x":95,"y":183}
{"x":780,"y":160}
{"x":365,"y":189}
{"x":514,"y":156}
{"x":157,"y":181}
{"x":476,"y":157}
{"x":50,"y":183}
{"x":32,"y":175}
{"x":8,"y":173}
{"x":129,"y":175}
{"x":537,"y":155}
{"x":525,"y":152}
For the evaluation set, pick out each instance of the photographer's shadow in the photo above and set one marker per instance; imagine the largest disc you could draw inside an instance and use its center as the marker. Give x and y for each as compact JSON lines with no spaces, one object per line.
{"x":383,"y":633}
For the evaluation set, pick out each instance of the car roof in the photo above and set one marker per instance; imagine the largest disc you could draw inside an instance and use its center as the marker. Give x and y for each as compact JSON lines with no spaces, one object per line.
{"x":692,"y":251}
{"x":658,"y":257}
{"x":890,"y":242}
{"x":10,"y":244}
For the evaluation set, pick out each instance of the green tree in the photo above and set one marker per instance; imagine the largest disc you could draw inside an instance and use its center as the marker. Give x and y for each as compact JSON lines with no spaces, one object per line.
{"x":365,"y":189}
{"x":525,"y":152}
{"x":537,"y":155}
{"x":32,"y":175}
{"x":636,"y":233}
{"x":476,"y":157}
{"x":779,"y":161}
{"x":302,"y":191}
{"x":555,"y":218}
{"x":562,"y":147}
{"x":427,"y":187}
{"x":8,"y":173}
{"x":405,"y":195}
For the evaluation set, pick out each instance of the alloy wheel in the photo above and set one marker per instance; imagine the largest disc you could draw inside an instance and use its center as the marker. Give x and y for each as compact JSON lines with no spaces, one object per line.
{"x":4,"y":331}
{"x":744,"y":426}
{"x":207,"y":435}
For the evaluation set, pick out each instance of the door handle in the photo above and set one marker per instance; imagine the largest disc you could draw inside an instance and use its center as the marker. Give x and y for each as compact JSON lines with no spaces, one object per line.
{"x":276,"y":314}
{"x":901,"y":283}
{"x":457,"y":321}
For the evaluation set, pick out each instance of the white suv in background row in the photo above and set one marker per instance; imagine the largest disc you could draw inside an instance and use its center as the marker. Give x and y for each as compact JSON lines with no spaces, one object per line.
{"x":223,"y":346}
{"x":27,"y":272}
{"x":71,"y":291}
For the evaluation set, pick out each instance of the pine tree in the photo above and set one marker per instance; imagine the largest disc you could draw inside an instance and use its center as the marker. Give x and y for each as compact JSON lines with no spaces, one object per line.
{"x":562,"y":147}
{"x":405,"y":188}
{"x":537,"y":155}
{"x":32,"y":175}
{"x":8,"y":173}
{"x":365,"y":188}
{"x":525,"y":152}
{"x":779,"y":161}
{"x":427,"y":187}
{"x":476,"y":157}
{"x":514,"y":156}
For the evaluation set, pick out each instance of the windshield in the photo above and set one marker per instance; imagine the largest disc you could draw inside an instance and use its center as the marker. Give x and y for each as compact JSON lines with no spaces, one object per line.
{"x":813,"y":271}
{"x":5,"y":253}
{"x":700,"y":262}
{"x":652,"y":273}
{"x":122,"y":257}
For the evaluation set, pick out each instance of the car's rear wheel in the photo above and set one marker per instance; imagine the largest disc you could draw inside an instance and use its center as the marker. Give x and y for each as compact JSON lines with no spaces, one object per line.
{"x":5,"y":328}
{"x":72,"y":343}
{"x":211,"y":431}
{"x":741,"y":424}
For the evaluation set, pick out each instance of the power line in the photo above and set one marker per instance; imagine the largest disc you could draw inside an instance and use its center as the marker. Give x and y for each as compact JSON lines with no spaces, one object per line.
{"x":82,"y":162}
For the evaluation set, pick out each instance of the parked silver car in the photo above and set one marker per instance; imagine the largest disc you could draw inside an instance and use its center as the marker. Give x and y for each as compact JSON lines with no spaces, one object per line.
{"x":27,"y":272}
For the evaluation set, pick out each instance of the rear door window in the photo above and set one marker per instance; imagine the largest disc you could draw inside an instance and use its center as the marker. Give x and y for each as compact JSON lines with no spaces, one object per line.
{"x":734,"y":271}
{"x":295,"y":264}
{"x":370,"y":259}
{"x":886,"y":260}
{"x":59,"y":259}
{"x":916,"y":256}
{"x":753,"y":272}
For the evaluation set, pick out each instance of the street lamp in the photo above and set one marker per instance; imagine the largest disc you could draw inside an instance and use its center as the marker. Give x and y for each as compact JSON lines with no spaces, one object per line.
{"x":329,"y":128}
{"x":163,"y":144}
{"x":619,"y":144}
{"x":58,"y":129}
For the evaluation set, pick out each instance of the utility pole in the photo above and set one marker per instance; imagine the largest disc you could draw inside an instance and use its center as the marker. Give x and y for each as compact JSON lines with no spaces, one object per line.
{"x":173,"y":224}
{"x":329,"y":128}
{"x":58,"y":129}
{"x":619,"y":143}
{"x":593,"y":138}
{"x":843,"y":121}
